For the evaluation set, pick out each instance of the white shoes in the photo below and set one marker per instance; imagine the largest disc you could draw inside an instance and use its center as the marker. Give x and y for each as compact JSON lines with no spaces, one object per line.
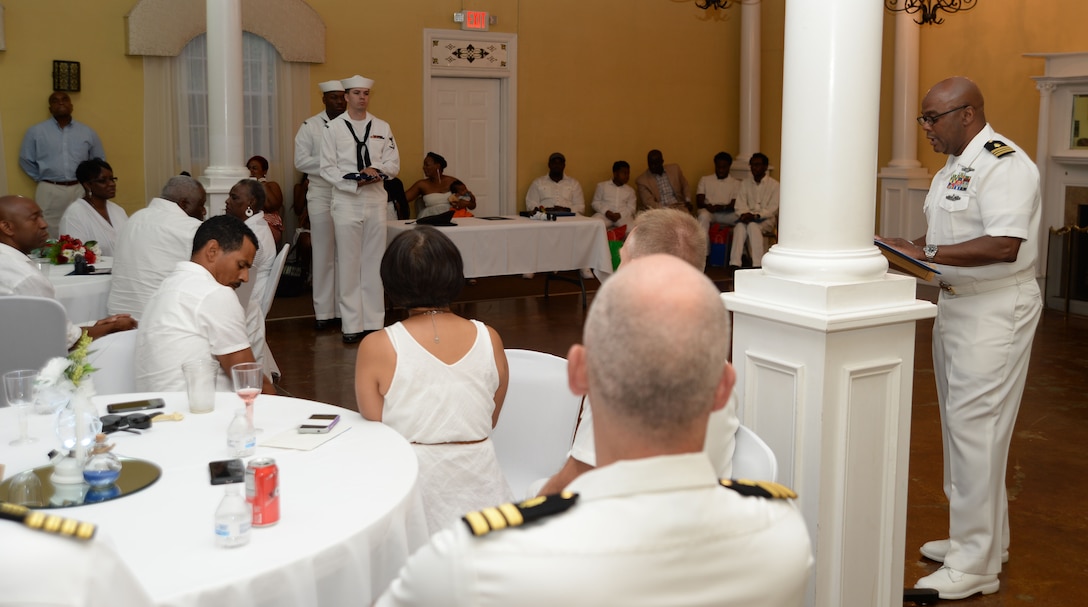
{"x":952,"y":584}
{"x":937,"y":549}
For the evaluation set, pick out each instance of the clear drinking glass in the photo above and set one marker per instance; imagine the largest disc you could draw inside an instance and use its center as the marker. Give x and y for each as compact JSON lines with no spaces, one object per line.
{"x":248,"y":380}
{"x":19,"y":388}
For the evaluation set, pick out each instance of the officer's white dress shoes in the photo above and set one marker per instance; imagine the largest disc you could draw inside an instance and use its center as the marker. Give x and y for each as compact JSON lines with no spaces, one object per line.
{"x":938,"y":549}
{"x":952,"y":584}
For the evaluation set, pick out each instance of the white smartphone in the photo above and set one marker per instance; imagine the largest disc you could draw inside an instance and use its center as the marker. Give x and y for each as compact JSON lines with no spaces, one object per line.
{"x":319,"y":424}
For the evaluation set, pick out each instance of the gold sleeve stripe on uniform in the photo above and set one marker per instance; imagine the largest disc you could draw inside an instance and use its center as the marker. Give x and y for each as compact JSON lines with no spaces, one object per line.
{"x":477,"y":524}
{"x":512,"y":514}
{"x":494,"y":518}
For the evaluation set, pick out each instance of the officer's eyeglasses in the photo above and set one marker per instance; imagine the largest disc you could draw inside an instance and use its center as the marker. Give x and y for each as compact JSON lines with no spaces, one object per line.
{"x":931,"y":120}
{"x":104,"y":180}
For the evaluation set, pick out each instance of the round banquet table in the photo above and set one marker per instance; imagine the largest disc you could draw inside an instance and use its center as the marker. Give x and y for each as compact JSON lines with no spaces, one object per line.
{"x":83,"y":297}
{"x":351,"y":513}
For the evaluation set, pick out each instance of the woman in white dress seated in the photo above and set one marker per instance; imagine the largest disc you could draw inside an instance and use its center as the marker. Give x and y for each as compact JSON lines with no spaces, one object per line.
{"x":436,"y":378}
{"x":434,"y":188}
{"x":246,"y":201}
{"x":95,"y":217}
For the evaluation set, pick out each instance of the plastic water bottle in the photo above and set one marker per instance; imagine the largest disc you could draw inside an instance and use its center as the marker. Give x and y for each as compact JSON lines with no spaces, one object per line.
{"x":233,"y":519}
{"x":241,"y":437}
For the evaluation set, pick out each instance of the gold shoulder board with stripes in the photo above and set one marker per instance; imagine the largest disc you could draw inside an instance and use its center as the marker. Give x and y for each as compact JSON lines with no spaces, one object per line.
{"x":766,"y":489}
{"x":49,"y":523}
{"x":999,"y":148}
{"x":482,"y":522}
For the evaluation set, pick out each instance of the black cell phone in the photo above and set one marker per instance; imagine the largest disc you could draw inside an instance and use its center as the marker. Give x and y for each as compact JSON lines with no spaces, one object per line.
{"x":136,"y":405}
{"x":227,"y":471}
{"x":319,"y":424}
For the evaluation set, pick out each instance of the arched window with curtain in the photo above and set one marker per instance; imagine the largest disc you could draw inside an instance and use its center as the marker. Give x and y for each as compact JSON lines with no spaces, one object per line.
{"x":260,"y":107}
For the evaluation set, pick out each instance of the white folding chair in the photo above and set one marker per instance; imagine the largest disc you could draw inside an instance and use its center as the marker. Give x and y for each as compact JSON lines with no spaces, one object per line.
{"x":753,"y":458}
{"x":114,"y":357}
{"x":537,"y":422}
{"x":32,"y":330}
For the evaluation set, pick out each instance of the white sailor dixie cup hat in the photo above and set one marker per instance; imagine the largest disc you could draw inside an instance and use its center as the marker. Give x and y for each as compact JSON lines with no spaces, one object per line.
{"x":357,"y":82}
{"x":330,"y":85}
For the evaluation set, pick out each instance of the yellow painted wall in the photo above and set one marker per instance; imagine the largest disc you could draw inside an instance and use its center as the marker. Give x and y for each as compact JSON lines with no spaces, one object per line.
{"x":986,"y":45}
{"x":598,"y":79}
{"x":111,"y":100}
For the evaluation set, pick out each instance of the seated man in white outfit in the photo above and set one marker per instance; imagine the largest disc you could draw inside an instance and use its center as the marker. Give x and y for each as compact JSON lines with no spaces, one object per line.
{"x":653,"y":525}
{"x":152,"y":242}
{"x":95,"y":216}
{"x":614,"y":200}
{"x":557,"y":191}
{"x":23,"y":229}
{"x":757,"y":207}
{"x":716,"y":195}
{"x":675,"y":233}
{"x":195,"y":314}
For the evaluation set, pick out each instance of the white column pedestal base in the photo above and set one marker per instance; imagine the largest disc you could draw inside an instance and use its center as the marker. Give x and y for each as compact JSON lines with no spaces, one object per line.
{"x":824,"y":375}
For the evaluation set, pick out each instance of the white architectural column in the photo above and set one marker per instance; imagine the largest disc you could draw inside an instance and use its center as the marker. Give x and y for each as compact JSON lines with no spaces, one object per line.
{"x":823,"y":336}
{"x":904,"y":182}
{"x":225,"y":118}
{"x":750,"y":86}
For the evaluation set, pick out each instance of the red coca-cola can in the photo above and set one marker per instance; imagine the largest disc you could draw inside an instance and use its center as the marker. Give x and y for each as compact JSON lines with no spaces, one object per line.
{"x":263,"y":491}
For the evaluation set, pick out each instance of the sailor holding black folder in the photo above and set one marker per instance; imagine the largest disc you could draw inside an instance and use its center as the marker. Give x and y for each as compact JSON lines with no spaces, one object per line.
{"x":983,"y":213}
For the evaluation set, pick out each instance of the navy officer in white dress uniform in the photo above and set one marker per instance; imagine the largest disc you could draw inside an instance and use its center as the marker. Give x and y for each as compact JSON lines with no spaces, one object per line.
{"x":983,"y":212}
{"x":652,"y":525}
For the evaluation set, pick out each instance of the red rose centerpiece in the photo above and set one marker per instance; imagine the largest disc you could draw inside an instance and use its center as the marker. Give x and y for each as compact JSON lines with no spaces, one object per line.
{"x":65,"y":249}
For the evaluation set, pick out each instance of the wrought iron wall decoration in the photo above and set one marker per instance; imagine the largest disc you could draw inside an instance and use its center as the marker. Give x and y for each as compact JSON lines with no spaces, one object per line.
{"x":66,"y":76}
{"x":927,"y":10}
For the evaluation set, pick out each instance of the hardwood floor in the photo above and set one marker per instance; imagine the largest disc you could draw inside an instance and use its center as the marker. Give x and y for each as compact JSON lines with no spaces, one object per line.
{"x":1047,"y":493}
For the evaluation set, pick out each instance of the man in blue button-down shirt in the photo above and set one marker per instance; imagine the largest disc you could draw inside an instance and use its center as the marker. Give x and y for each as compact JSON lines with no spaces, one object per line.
{"x":50,"y":153}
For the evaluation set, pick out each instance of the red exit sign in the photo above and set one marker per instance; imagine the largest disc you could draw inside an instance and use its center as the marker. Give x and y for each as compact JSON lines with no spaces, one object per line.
{"x":475,"y":20}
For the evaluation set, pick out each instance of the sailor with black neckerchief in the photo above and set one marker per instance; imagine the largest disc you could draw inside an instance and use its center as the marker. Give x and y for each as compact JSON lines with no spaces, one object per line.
{"x":652,"y":525}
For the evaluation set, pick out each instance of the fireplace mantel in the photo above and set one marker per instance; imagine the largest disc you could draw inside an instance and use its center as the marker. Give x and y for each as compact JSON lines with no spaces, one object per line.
{"x":1062,"y":158}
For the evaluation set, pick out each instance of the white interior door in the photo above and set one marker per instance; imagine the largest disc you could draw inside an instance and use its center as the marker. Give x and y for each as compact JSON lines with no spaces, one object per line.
{"x":465,"y":128}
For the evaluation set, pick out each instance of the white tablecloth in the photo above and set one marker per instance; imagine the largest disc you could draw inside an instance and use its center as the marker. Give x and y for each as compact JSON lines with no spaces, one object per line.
{"x":83,"y":297}
{"x":350,"y":510}
{"x":520,"y":245}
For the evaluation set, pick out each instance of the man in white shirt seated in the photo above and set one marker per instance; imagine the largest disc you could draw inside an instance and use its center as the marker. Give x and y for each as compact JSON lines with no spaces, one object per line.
{"x":152,"y":242}
{"x":716,"y":195}
{"x":757,"y":207}
{"x":195,"y":314}
{"x":672,"y":232}
{"x":557,"y":191}
{"x":23,"y":229}
{"x":614,"y":200}
{"x":653,"y":525}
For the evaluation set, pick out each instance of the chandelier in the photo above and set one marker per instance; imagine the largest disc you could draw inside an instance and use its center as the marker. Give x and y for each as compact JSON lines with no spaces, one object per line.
{"x":715,"y":4}
{"x":930,"y":8}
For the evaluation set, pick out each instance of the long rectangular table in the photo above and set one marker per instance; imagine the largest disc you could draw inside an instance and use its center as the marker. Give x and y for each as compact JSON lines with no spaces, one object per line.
{"x":518,"y":245}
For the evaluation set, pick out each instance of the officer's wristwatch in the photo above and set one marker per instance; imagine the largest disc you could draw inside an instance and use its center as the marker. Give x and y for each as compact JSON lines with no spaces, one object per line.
{"x":930,"y":251}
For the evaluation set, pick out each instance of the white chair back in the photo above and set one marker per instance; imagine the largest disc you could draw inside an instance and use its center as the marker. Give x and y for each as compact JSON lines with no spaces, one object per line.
{"x":753,"y":458}
{"x":274,"y":278}
{"x":114,"y":357}
{"x":32,"y":330}
{"x":537,"y":422}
